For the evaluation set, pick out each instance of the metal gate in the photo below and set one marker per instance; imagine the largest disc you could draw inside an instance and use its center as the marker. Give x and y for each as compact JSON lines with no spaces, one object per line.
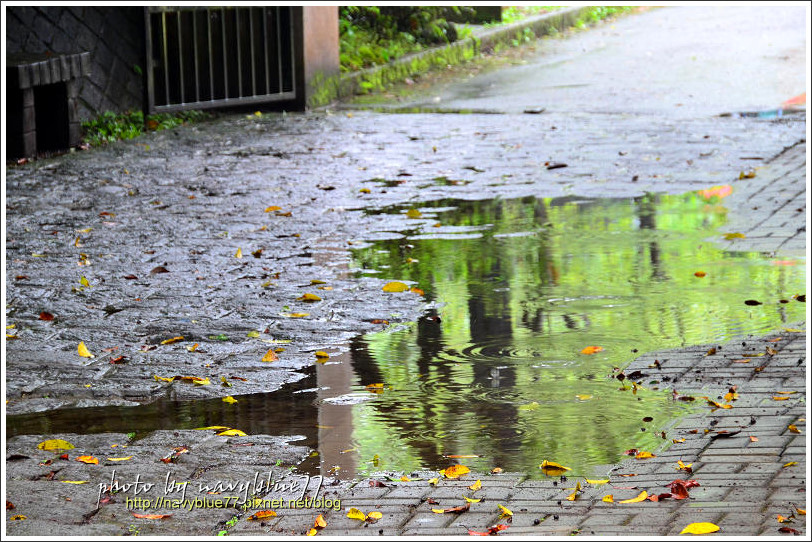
{"x":205,"y":57}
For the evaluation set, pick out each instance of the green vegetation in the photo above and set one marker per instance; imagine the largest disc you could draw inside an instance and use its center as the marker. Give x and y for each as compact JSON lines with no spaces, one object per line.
{"x":109,"y":126}
{"x":598,"y":13}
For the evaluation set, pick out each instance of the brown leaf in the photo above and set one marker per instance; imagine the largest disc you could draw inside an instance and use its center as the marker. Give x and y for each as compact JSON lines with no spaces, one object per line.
{"x":788,"y":530}
{"x":159,"y":269}
{"x":453,"y":509}
{"x":47,"y":316}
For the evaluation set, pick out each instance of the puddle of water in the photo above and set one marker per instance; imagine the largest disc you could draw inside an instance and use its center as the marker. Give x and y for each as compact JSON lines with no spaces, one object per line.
{"x":497,"y":372}
{"x":494,"y":370}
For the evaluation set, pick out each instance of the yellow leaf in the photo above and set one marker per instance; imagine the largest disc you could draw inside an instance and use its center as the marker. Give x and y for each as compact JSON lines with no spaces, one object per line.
{"x":608,"y":498}
{"x":592,"y":349}
{"x":405,"y":478}
{"x":73,"y":481}
{"x":793,"y":428}
{"x":270,"y":356}
{"x":801,"y":511}
{"x":231,"y":433}
{"x":312,"y":532}
{"x":583,"y":397}
{"x":84,"y":282}
{"x":309,"y":298}
{"x":365,"y":190}
{"x":644,"y":455}
{"x":229,"y":399}
{"x":793,"y":330}
{"x":322,"y":354}
{"x":731,"y":396}
{"x":780,"y":398}
{"x":120,"y":458}
{"x":413,"y":213}
{"x":272,"y":208}
{"x":262,"y":514}
{"x":172,"y":340}
{"x":434,"y":481}
{"x":239,"y":253}
{"x":374,"y":515}
{"x":683,"y":466}
{"x":475,"y":486}
{"x":735,"y":235}
{"x":455,"y":471}
{"x":354,"y":513}
{"x":438,"y":510}
{"x":471,"y":500}
{"x":530,"y":406}
{"x":89,"y":459}
{"x":294,"y":314}
{"x":18,"y":517}
{"x":201,"y":381}
{"x":321,"y":523}
{"x":163,"y":378}
{"x":790,"y":464}
{"x":395,"y":287}
{"x":505,"y":511}
{"x":54,"y":445}
{"x":192,"y":348}
{"x":84,"y":352}
{"x":596,"y":482}
{"x":639,"y":498}
{"x":553,"y":469}
{"x":700,"y":528}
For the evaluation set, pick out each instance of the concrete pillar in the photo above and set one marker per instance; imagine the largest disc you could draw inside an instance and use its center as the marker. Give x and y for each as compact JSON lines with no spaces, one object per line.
{"x":317,"y":53}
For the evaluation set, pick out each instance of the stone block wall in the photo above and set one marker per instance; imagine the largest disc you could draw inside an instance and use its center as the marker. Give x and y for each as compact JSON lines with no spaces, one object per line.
{"x":113,"y":35}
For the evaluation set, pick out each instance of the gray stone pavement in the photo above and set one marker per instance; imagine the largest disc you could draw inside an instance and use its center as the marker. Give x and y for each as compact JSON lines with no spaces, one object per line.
{"x":186,"y":200}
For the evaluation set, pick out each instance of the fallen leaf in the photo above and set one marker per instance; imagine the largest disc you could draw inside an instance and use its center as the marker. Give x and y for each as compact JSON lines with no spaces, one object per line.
{"x":735,"y":235}
{"x":53,"y":445}
{"x":608,"y":498}
{"x":89,"y":459}
{"x":84,"y":352}
{"x":642,"y":497}
{"x":320,"y":522}
{"x":780,"y":398}
{"x":172,"y":340}
{"x":496,"y":470}
{"x":596,"y":482}
{"x":553,"y":469}
{"x":492,"y":531}
{"x":262,"y":514}
{"x":270,"y":355}
{"x":452,"y":510}
{"x":395,"y":286}
{"x":73,"y":481}
{"x":47,"y":316}
{"x":18,"y":517}
{"x":506,"y":513}
{"x":120,"y":458}
{"x":238,"y":253}
{"x":530,"y":406}
{"x":793,"y":428}
{"x":475,"y":486}
{"x":455,"y":471}
{"x":152,"y":516}
{"x":272,"y":208}
{"x":229,"y":399}
{"x":700,"y":274}
{"x":783,"y":519}
{"x":468,"y":499}
{"x":788,"y":530}
{"x":790,"y":464}
{"x":309,"y":298}
{"x":752,"y":302}
{"x":413,"y":213}
{"x":644,"y":455}
{"x":574,"y":494}
{"x":159,"y":269}
{"x":700,"y":528}
{"x":312,"y":532}
{"x":232,"y":433}
{"x":592,"y":349}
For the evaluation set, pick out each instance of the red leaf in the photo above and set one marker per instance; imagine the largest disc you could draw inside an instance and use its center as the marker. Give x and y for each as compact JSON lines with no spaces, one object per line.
{"x":377,"y":483}
{"x":47,"y":316}
{"x":788,"y":530}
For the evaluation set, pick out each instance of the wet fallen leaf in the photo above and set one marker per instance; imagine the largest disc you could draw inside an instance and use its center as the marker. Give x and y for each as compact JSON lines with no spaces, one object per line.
{"x":417,"y":291}
{"x":320,"y":522}
{"x":232,"y":433}
{"x":452,"y":510}
{"x":152,"y":516}
{"x":229,"y":399}
{"x":475,"y":486}
{"x":405,"y":478}
{"x":584,"y":397}
{"x":793,"y":428}
{"x":700,"y":274}
{"x":608,"y":498}
{"x":506,"y":512}
{"x":752,"y":302}
{"x":496,"y":470}
{"x":468,"y":499}
{"x":395,"y":286}
{"x":592,"y":349}
{"x":553,"y":469}
{"x":644,"y":455}
{"x":47,"y":316}
{"x":262,"y":514}
{"x":89,"y":459}
{"x":596,"y":482}
{"x":159,"y":269}
{"x":321,"y":355}
{"x":574,"y":494}
{"x":53,"y":445}
{"x":784,"y":519}
{"x":238,"y":254}
{"x":73,"y":481}
{"x":377,"y":483}
{"x":294,"y":314}
{"x":790,"y":464}
{"x":413,"y":213}
{"x":83,"y":351}
{"x":18,"y":517}
{"x":455,"y":471}
{"x":120,"y":458}
{"x":788,"y":530}
{"x":734,"y":235}
{"x":642,"y":497}
{"x":749,"y":174}
{"x":492,"y":531}
{"x":377,"y":387}
{"x":172,"y":340}
{"x":309,"y":298}
{"x":682,"y":466}
{"x":272,"y":208}
{"x":270,"y":355}
{"x":434,"y":481}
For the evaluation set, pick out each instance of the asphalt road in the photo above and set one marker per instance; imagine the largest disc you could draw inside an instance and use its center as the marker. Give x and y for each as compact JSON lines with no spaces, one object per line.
{"x":679,"y":62}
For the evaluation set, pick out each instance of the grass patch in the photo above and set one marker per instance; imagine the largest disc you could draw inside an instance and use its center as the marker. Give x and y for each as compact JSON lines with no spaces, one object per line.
{"x":109,"y":126}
